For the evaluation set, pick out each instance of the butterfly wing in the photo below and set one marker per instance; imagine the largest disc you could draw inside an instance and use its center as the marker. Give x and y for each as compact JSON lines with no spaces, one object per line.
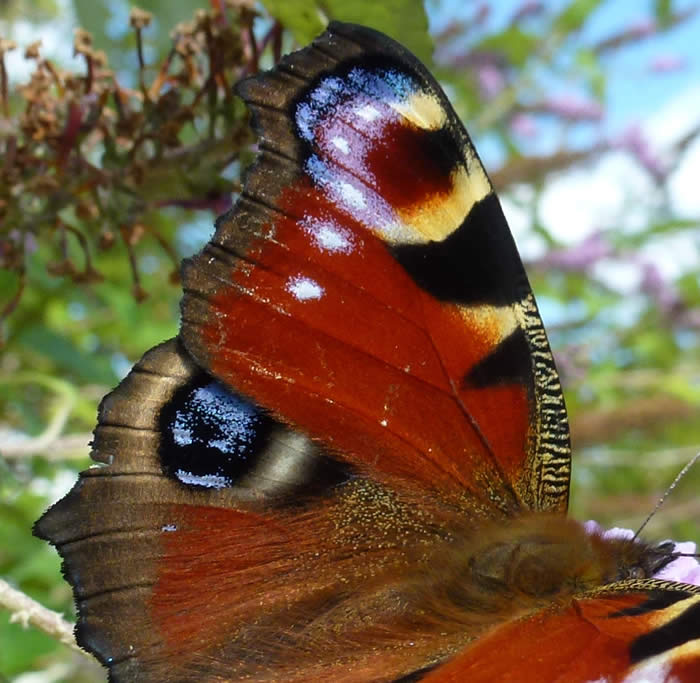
{"x":365,"y":370}
{"x":633,"y":634}
{"x":192,"y":527}
{"x":366,"y":288}
{"x":216,"y":543}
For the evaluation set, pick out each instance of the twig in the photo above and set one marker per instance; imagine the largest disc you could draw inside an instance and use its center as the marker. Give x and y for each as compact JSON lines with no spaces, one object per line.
{"x":663,"y":458}
{"x":60,"y":449}
{"x":27,"y":611}
{"x":42,"y":441}
{"x":642,"y":414}
{"x":529,"y":169}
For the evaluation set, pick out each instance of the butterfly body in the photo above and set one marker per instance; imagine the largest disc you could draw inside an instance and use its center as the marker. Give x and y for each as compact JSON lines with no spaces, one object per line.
{"x":353,"y":463}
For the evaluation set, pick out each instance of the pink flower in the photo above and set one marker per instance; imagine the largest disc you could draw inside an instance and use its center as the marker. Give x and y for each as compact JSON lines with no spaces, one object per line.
{"x":491,"y":79}
{"x":662,"y":64}
{"x":574,"y":108}
{"x":592,"y":527}
{"x":634,"y":141}
{"x":655,"y":285}
{"x":581,"y":256}
{"x":528,"y":8}
{"x":682,"y":569}
{"x":522,"y":124}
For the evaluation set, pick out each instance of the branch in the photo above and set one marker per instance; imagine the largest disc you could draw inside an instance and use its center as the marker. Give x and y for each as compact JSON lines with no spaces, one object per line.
{"x":59,"y":449}
{"x":27,"y":611}
{"x":530,"y":169}
{"x":643,"y":414}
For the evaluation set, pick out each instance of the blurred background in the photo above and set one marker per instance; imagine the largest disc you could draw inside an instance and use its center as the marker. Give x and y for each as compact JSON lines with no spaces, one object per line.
{"x":120,"y":143}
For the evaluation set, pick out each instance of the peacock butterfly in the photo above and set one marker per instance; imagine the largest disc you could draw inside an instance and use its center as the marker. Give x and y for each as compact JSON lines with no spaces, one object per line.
{"x":353,"y":462}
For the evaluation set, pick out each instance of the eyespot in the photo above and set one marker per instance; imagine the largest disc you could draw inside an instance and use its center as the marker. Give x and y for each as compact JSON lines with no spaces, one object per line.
{"x":215,"y":438}
{"x":210,"y":436}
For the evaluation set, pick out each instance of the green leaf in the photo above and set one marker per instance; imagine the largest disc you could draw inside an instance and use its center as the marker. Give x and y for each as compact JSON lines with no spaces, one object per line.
{"x":36,"y":11}
{"x":689,"y":287}
{"x":303,"y":18}
{"x":656,"y":229}
{"x":66,"y":355}
{"x":403,"y":20}
{"x":590,"y":65}
{"x":663,"y":11}
{"x":572,"y":17}
{"x":93,"y":16}
{"x":21,"y":648}
{"x":514,"y":43}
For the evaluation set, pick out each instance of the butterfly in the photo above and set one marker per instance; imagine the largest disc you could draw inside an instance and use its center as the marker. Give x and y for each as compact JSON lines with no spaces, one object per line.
{"x":353,"y":462}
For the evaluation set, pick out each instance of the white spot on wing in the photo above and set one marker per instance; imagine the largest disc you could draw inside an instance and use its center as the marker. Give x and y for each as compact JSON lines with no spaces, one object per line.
{"x":182,"y":435}
{"x":352,"y":196}
{"x":328,"y":235}
{"x":341,"y":144}
{"x":211,"y":481}
{"x":653,"y":670}
{"x":304,"y":288}
{"x":368,"y":113}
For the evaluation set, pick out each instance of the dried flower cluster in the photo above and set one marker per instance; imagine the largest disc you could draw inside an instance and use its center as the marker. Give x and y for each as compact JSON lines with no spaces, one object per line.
{"x":86,"y":159}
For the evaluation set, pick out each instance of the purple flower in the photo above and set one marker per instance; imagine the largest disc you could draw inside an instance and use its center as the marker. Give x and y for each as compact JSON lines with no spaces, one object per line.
{"x":682,"y":569}
{"x":592,"y":527}
{"x":526,"y":9}
{"x":574,"y":108}
{"x":491,"y":80}
{"x":634,"y":141}
{"x":654,"y":284}
{"x":30,"y":243}
{"x":662,"y":64}
{"x":524,"y":125}
{"x":27,"y":238}
{"x":581,"y":256}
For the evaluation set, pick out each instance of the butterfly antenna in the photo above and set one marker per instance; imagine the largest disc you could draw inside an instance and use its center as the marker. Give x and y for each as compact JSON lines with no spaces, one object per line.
{"x":673,"y":485}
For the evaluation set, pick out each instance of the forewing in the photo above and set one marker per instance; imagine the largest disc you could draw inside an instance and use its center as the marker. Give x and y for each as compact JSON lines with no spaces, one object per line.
{"x":366,"y":288}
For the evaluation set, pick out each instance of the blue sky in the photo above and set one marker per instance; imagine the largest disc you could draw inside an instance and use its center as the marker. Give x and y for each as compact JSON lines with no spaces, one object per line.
{"x":633,"y":91}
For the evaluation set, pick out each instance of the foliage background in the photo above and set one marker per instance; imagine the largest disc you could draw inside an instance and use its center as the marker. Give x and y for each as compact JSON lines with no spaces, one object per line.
{"x":627,"y":348}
